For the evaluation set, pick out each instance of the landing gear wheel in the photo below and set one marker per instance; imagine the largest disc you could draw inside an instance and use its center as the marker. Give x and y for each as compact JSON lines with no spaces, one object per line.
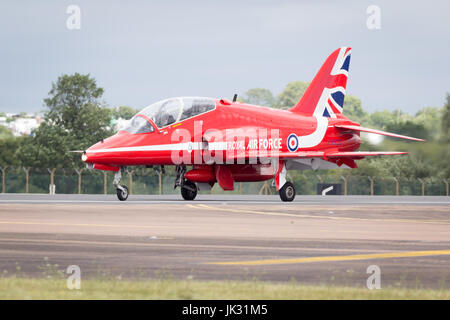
{"x":287,"y":192}
{"x":122,"y":194}
{"x":189,"y":190}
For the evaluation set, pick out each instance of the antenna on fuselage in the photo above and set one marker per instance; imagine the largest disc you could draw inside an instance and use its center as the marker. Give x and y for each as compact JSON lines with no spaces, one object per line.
{"x":235,"y":97}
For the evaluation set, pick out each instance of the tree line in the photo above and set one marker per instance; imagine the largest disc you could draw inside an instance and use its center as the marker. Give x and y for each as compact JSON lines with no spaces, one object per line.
{"x":76,"y":117}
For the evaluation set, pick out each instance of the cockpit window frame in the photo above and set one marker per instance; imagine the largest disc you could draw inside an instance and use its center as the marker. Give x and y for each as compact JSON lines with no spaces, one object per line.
{"x":200,"y":114}
{"x":149,"y":121}
{"x":180,"y":113}
{"x":152,"y":123}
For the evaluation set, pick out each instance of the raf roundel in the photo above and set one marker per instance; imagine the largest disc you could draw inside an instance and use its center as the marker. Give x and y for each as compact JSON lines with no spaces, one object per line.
{"x":292,"y":142}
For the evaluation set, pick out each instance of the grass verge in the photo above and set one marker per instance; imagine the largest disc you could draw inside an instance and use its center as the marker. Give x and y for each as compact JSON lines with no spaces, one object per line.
{"x":29,"y":288}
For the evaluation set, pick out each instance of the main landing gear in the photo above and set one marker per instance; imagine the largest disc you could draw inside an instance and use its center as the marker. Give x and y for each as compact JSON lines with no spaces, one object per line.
{"x":188,"y":188}
{"x":122,"y":191}
{"x":285,"y":188}
{"x":287,"y":192}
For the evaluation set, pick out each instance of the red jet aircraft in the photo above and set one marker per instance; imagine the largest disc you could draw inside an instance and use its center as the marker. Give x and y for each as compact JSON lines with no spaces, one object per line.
{"x":228,"y":141}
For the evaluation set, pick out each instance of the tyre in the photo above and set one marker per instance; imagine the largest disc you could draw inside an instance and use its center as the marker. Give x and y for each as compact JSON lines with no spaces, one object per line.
{"x":189,"y":190}
{"x":122,"y":194}
{"x":287,"y":192}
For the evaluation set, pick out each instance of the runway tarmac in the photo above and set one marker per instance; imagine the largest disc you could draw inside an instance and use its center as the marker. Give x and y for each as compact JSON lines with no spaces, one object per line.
{"x":222,"y":198}
{"x":314,"y":240}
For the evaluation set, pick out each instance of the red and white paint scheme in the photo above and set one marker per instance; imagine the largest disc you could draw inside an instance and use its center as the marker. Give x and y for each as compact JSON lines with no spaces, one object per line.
{"x":228,"y":141}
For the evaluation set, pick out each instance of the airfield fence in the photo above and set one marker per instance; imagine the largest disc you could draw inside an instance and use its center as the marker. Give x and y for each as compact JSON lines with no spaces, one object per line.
{"x":70,"y":181}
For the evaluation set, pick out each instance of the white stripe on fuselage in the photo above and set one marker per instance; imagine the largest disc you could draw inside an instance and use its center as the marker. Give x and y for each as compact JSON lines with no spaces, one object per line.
{"x":306,"y":141}
{"x":155,"y":147}
{"x":313,"y":139}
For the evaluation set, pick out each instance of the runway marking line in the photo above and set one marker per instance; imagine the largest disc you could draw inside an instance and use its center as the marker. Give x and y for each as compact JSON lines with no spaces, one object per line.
{"x":407,"y":254}
{"x":269,"y":213}
{"x":156,"y":243}
{"x":85,"y":224}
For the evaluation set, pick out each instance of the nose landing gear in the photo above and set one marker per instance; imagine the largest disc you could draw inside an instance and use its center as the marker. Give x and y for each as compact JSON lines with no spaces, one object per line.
{"x":122,"y":194}
{"x":188,"y":188}
{"x":122,"y":191}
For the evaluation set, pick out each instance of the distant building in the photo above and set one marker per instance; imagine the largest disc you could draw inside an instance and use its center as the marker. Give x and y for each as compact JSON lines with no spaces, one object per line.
{"x":21,"y":124}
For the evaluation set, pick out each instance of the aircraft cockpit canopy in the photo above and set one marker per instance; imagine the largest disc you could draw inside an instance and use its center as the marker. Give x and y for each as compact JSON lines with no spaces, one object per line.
{"x":168,"y":112}
{"x":139,"y":124}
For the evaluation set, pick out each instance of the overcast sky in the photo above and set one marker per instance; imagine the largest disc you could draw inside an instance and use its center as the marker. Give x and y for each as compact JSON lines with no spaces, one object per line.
{"x":144,"y":51}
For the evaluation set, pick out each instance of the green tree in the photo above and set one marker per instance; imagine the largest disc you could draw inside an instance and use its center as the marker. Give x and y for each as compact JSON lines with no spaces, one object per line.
{"x":410,"y":167}
{"x":382,"y":119}
{"x":5,"y":132}
{"x":259,"y":96}
{"x":124,"y":112}
{"x":409,"y":128}
{"x":75,"y":120}
{"x":354,"y":111}
{"x":429,"y":118}
{"x":8,"y":147}
{"x":292,"y":94}
{"x":445,"y":120}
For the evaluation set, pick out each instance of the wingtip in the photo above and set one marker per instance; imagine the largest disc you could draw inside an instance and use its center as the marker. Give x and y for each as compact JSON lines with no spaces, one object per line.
{"x":416,"y":139}
{"x":375,"y":131}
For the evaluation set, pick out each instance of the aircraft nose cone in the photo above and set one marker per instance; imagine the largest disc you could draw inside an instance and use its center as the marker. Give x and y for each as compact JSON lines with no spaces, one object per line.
{"x":101,"y":151}
{"x":91,"y":154}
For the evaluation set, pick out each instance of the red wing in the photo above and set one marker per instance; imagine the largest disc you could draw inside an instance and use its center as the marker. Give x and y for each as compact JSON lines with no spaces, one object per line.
{"x":339,"y":154}
{"x":351,"y":154}
{"x":319,"y":154}
{"x":384,"y":133}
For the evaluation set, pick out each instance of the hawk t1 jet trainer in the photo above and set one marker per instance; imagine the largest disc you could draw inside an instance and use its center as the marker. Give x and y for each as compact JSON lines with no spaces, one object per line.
{"x":228,"y":141}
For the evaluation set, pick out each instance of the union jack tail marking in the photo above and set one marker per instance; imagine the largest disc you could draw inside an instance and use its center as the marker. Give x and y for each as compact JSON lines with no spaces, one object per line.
{"x":325,"y":95}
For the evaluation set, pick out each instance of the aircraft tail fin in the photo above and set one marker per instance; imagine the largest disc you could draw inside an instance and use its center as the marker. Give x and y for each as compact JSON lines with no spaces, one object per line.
{"x":325,"y":95}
